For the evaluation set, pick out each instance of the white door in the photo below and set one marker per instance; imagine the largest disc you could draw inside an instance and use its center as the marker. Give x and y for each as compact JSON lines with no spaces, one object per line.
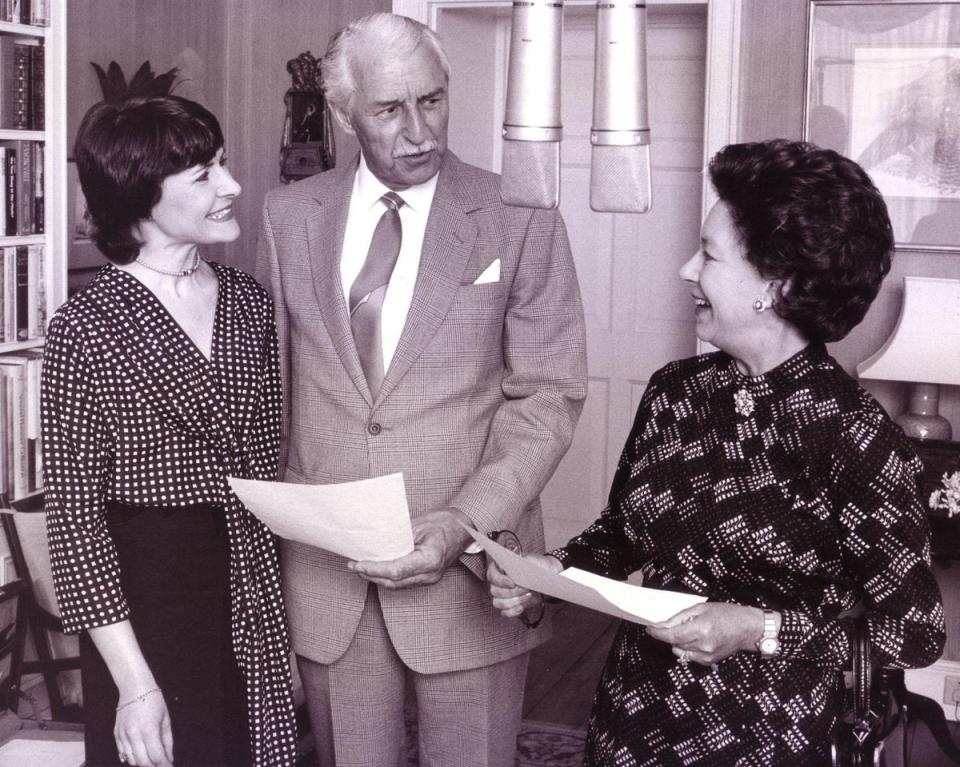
{"x":639,"y":314}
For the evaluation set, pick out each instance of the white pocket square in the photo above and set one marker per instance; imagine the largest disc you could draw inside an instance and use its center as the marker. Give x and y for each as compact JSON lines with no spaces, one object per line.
{"x":490,"y":274}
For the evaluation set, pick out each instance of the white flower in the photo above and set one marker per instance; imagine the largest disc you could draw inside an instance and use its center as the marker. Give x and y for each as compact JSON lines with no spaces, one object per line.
{"x":948,"y":497}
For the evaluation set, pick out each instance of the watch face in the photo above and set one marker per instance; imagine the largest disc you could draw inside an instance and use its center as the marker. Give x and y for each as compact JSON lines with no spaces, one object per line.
{"x":508,"y":539}
{"x":769,"y":646}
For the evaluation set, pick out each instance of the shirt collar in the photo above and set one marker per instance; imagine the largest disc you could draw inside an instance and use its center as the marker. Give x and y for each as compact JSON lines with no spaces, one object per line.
{"x":368,"y":189}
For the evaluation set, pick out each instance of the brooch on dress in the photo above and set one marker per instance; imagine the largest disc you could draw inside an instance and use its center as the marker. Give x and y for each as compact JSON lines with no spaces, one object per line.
{"x":743,"y":402}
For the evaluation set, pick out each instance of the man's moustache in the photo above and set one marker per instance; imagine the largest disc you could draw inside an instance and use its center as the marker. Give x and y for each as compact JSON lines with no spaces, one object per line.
{"x":414,"y":150}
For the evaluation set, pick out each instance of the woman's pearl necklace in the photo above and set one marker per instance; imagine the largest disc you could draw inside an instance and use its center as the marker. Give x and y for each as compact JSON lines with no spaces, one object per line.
{"x":174,"y":273}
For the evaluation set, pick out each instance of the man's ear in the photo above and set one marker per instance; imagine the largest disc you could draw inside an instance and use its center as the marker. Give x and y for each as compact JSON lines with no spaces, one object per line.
{"x":343,"y":119}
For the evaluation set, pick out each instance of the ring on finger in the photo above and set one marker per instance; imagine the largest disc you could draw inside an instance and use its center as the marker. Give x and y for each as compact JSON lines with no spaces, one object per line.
{"x":684,"y":657}
{"x":122,"y":757}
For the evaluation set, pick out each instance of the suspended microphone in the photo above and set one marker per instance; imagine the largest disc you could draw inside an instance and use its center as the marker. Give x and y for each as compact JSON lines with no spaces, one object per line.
{"x":531,"y":124}
{"x":620,"y":136}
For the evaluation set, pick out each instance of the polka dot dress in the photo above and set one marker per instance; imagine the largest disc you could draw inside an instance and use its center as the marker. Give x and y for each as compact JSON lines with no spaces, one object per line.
{"x":133,"y":412}
{"x":793,"y":491}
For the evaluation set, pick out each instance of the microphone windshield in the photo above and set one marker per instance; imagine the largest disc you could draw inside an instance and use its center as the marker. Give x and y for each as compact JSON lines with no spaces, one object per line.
{"x":532,"y":128}
{"x":620,"y":136}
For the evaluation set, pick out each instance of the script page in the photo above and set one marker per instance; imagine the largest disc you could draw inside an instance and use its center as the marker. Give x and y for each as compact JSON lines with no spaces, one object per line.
{"x":364,"y":520}
{"x":622,"y":600}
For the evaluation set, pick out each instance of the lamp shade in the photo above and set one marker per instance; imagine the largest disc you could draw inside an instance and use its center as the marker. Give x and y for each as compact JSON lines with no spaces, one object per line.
{"x":925,"y":344}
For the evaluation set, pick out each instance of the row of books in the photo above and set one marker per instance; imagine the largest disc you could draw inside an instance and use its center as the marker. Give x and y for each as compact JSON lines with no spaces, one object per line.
{"x":23,"y":304}
{"x":21,"y":188}
{"x":36,"y":13}
{"x":21,"y":470}
{"x":22,"y":86}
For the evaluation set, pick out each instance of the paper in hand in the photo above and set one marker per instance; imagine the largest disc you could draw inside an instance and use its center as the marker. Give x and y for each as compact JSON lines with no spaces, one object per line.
{"x":363,"y":520}
{"x":622,"y":600}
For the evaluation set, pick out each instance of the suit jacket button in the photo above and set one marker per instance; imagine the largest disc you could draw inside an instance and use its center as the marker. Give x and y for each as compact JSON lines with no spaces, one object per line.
{"x":374,"y":428}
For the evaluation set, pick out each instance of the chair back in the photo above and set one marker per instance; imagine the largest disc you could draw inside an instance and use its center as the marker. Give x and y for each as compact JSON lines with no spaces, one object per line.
{"x":26,"y":532}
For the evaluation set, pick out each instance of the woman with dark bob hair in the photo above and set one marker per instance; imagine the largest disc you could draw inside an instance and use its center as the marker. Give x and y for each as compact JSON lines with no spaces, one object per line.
{"x":762,"y":477}
{"x":161,"y":379}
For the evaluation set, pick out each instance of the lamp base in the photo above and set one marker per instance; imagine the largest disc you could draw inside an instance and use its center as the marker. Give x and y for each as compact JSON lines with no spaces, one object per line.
{"x":922,"y":421}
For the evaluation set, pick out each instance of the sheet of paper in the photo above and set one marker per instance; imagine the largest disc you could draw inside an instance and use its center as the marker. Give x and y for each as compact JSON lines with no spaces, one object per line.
{"x":20,"y":752}
{"x":622,"y":600}
{"x":363,"y":520}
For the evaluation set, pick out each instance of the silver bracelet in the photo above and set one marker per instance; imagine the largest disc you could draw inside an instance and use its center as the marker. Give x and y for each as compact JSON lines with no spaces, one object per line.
{"x":140,"y":698}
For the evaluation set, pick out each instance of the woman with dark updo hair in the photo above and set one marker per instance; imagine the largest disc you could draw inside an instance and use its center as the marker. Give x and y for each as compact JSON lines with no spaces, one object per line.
{"x":161,"y":379}
{"x":764,"y":478}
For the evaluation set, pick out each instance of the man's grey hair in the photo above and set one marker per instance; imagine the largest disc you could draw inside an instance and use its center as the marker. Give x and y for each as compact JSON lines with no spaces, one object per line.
{"x":390,"y":32}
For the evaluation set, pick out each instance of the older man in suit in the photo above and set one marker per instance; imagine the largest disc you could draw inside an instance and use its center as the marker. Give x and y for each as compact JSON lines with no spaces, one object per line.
{"x":429,"y":329}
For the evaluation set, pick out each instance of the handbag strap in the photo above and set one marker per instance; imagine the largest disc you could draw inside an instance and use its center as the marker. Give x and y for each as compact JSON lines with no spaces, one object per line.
{"x":865,"y":716}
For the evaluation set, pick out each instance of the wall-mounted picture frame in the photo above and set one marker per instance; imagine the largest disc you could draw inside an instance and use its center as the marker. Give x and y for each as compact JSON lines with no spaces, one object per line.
{"x":883,"y":88}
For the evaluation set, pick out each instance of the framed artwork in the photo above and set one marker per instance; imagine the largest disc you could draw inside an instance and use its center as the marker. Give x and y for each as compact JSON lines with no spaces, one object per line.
{"x":883,"y":88}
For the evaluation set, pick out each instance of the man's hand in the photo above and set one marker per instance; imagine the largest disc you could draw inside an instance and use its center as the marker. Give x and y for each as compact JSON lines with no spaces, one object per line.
{"x":438,"y":539}
{"x":510,"y":599}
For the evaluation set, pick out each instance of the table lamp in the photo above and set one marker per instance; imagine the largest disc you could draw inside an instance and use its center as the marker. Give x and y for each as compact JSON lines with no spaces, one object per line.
{"x":923,"y":349}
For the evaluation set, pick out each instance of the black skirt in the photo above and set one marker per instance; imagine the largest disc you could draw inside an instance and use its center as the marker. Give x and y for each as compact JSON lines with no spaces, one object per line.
{"x":174,"y":565}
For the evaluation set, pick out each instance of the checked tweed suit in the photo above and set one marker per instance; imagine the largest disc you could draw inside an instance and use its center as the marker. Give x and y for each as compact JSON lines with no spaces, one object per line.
{"x":476,"y":409}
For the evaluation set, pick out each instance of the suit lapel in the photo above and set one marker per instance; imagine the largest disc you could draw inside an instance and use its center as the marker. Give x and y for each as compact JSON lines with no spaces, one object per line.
{"x":325,"y":226}
{"x":447,"y":244}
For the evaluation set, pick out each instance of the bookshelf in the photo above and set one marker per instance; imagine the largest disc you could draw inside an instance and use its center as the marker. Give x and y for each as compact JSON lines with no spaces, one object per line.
{"x":46,"y":243}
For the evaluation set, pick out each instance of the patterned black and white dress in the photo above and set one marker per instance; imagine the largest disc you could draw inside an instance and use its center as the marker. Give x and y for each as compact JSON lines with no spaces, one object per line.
{"x":135,"y":416}
{"x":791,"y":490}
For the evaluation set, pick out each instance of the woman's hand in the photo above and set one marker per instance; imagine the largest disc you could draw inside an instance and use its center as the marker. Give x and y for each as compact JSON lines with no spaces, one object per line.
{"x":709,"y":632}
{"x":142,"y":731}
{"x":509,"y":598}
{"x":142,"y":725}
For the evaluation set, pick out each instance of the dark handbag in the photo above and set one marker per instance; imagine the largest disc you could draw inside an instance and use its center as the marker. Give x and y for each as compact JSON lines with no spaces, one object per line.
{"x":871,"y":710}
{"x":885,"y":725}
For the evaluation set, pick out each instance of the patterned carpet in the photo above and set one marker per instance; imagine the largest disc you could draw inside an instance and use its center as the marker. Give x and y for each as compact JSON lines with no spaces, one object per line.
{"x":539,"y":744}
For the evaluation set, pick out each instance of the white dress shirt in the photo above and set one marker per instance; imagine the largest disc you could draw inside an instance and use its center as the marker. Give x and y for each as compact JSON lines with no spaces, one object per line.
{"x":362,"y":218}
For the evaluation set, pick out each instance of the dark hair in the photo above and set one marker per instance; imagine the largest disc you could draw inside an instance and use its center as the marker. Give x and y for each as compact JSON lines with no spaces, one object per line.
{"x":125,"y":150}
{"x":813,"y":219}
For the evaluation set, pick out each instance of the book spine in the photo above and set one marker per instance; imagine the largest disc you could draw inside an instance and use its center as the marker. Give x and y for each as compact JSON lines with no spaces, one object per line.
{"x":10,"y":293}
{"x":25,"y":188}
{"x":40,"y":13}
{"x":41,"y":255}
{"x":23,"y":292}
{"x":37,"y":87}
{"x":38,"y":206}
{"x":11,"y":207}
{"x":17,"y":412}
{"x":34,"y":374}
{"x":4,"y":442}
{"x":3,"y":190}
{"x":21,"y":88}
{"x":33,"y":279}
{"x":7,"y":82}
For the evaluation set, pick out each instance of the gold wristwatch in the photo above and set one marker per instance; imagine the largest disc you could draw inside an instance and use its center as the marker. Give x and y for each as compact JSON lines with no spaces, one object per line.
{"x":769,"y":643}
